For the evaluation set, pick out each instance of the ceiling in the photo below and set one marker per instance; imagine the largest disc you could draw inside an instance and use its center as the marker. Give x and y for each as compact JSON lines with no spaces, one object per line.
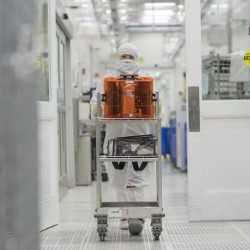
{"x":121,"y":16}
{"x":115,"y":19}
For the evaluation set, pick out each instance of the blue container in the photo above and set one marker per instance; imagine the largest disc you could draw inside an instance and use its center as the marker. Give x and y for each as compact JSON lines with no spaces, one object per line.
{"x":173,"y":144}
{"x":185,"y":142}
{"x":164,"y":141}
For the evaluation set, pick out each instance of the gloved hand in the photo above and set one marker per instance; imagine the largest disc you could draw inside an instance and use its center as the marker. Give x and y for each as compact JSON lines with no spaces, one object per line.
{"x":160,"y":108}
{"x":95,"y":111}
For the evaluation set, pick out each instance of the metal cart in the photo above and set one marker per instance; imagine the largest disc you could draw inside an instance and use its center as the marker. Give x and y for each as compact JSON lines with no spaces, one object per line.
{"x":141,"y":209}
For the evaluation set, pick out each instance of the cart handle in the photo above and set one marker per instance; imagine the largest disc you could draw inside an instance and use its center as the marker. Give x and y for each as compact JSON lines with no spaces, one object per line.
{"x":104,"y":97}
{"x":153,"y":98}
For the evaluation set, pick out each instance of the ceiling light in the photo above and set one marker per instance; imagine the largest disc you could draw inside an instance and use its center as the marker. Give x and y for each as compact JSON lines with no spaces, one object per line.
{"x":81,"y":1}
{"x":158,"y":5}
{"x":104,"y":1}
{"x":158,"y":12}
{"x":122,"y":5}
{"x":161,"y":21}
{"x":123,"y":18}
{"x":155,"y":20}
{"x":85,"y":5}
{"x":108,"y":11}
{"x":156,"y":17}
{"x":123,"y":11}
{"x":147,"y":21}
{"x":85,"y":19}
{"x":219,"y":5}
{"x":123,"y":1}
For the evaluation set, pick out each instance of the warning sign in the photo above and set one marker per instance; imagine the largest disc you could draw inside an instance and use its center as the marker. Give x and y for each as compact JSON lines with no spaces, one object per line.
{"x":247,"y":58}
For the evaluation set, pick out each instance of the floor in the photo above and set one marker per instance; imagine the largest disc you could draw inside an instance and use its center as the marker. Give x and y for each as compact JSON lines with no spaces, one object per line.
{"x":77,"y":227}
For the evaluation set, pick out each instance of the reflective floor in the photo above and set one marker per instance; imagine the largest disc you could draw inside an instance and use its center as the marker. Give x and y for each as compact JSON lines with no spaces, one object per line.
{"x":77,"y":228}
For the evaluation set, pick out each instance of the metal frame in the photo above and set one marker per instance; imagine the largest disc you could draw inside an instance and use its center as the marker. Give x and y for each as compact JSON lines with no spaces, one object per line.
{"x":150,"y":209}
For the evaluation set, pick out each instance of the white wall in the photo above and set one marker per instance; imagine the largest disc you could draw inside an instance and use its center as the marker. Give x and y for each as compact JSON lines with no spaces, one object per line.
{"x":85,"y":55}
{"x":150,"y":46}
{"x":80,"y":59}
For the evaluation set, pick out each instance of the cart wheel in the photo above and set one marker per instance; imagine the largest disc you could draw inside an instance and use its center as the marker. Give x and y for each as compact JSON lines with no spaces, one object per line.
{"x":102,"y":225}
{"x":157,"y":236}
{"x":105,"y":177}
{"x":156,"y":224}
{"x":102,"y":237}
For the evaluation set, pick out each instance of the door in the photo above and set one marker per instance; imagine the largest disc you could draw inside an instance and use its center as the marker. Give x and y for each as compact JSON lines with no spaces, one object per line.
{"x":218,"y":109}
{"x":61,"y":112}
{"x":18,"y":126}
{"x":47,"y":117}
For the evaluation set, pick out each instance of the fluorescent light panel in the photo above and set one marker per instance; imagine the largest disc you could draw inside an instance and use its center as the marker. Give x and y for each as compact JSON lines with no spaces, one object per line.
{"x":85,"y":5}
{"x":123,"y":18}
{"x":156,"y":17}
{"x":158,"y":12}
{"x":157,"y":21}
{"x":158,"y":5}
{"x":220,"y":6}
{"x":87,"y":19}
{"x":122,"y":11}
{"x":83,"y":1}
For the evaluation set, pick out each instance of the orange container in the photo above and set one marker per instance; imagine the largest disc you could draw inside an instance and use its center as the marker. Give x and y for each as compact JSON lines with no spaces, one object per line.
{"x":128,"y":97}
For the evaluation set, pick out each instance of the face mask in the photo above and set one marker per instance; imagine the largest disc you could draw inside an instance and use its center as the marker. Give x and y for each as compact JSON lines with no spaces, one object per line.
{"x":127,"y":67}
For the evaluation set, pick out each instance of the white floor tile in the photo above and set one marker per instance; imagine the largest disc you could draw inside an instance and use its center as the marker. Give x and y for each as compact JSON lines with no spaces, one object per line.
{"x":77,"y":227}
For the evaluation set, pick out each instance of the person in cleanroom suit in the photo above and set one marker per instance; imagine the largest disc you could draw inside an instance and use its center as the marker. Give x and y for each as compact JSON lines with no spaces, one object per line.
{"x":129,"y":179}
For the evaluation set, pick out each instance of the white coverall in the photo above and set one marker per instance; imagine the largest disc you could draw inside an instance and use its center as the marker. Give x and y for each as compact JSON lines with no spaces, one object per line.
{"x":127,"y":176}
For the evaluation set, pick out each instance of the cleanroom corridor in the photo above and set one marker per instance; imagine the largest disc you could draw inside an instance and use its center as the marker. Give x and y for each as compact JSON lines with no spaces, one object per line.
{"x":124,"y":124}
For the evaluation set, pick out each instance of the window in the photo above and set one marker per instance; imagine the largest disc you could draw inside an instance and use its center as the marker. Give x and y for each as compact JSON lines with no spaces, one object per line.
{"x":225,"y":41}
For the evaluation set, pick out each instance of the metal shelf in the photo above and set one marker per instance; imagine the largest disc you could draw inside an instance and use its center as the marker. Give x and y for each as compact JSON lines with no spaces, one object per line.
{"x":125,"y":120}
{"x":140,"y":204}
{"x":128,"y":158}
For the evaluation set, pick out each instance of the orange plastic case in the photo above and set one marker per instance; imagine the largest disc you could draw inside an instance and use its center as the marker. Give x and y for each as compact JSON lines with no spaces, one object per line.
{"x":128,"y":97}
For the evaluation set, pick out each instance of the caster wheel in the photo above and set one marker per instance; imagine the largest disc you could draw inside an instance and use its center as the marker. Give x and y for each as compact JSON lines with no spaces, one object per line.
{"x":157,"y":237}
{"x":102,"y":237}
{"x":105,"y":177}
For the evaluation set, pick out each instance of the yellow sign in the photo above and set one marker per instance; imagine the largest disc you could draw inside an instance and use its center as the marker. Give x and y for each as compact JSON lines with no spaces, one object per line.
{"x":141,"y":59}
{"x":247,"y":58}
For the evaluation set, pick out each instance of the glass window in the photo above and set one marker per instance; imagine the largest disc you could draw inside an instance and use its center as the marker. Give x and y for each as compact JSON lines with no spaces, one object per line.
{"x":61,"y":74}
{"x":225,"y":40}
{"x":62,"y":146}
{"x":59,"y":143}
{"x":61,"y":104}
{"x":43,"y":52}
{"x":64,"y":142}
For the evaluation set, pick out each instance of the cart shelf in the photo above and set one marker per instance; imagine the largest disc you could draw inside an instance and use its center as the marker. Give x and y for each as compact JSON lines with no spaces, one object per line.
{"x":128,"y":158}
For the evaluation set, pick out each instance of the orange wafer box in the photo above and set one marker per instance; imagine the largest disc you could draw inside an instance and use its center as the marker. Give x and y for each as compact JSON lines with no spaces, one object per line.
{"x":128,"y":97}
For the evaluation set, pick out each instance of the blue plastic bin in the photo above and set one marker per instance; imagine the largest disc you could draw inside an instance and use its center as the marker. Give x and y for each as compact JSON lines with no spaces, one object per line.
{"x":173,"y":144}
{"x":185,"y":141}
{"x":164,"y":141}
